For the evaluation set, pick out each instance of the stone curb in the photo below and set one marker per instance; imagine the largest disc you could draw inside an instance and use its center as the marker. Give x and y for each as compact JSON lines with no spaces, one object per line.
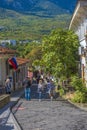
{"x":16,"y":122}
{"x":16,"y":101}
{"x":6,"y":112}
{"x":77,"y":106}
{"x":4,"y":117}
{"x":13,"y":116}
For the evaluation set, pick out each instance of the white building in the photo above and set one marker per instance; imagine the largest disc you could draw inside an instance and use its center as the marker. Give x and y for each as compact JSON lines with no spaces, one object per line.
{"x":10,"y":42}
{"x":79,"y":25}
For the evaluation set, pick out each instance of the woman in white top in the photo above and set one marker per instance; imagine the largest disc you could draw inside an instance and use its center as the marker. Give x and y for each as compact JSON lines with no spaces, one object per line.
{"x":8,"y":86}
{"x":40,"y":89}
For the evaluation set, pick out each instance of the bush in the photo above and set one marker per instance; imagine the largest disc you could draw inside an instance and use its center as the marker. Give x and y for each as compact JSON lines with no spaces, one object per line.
{"x":79,"y":97}
{"x":80,"y":94}
{"x":61,"y":91}
{"x":77,"y":84}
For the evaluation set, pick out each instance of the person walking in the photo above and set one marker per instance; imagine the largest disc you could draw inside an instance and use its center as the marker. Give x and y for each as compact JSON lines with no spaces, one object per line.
{"x":34,"y":87}
{"x":40,"y":89}
{"x":27,"y":86}
{"x":50,"y":88}
{"x":8,"y":86}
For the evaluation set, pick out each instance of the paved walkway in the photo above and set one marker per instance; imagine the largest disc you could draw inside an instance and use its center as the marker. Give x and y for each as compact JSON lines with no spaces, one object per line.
{"x":35,"y":115}
{"x":7,"y":120}
{"x":49,"y":115}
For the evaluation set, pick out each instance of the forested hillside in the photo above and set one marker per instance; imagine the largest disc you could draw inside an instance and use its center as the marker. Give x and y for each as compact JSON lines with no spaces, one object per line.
{"x":18,"y":26}
{"x":32,"y":19}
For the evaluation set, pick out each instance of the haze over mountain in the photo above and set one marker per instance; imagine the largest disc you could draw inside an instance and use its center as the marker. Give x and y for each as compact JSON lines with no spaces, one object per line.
{"x":50,"y":7}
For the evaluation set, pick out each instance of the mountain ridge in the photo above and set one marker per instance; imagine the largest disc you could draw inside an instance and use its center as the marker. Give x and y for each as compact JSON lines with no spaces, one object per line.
{"x":35,"y":6}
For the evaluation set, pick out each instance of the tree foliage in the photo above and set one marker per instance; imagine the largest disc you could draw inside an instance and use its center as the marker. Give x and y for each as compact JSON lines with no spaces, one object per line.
{"x":35,"y":55}
{"x":60,"y":52}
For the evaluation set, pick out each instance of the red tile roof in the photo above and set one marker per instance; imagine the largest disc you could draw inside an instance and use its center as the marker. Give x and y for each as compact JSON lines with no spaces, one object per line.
{"x":4,"y":50}
{"x":21,"y":61}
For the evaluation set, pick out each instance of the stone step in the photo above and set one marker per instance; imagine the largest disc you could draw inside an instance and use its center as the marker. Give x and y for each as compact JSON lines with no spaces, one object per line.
{"x":4,"y":99}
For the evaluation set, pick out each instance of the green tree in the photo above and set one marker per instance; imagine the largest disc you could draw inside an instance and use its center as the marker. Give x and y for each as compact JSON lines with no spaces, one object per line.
{"x":60,"y":52}
{"x":35,"y":56}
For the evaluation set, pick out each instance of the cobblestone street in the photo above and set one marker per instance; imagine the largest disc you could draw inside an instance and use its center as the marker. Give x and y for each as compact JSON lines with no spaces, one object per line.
{"x":49,"y":115}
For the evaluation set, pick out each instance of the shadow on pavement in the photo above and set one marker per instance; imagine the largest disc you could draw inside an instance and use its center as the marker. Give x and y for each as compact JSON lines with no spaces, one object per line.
{"x":6,"y":127}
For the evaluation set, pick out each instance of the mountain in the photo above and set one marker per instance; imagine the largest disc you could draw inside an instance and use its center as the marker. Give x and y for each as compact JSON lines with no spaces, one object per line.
{"x":32,"y":19}
{"x":47,"y":7}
